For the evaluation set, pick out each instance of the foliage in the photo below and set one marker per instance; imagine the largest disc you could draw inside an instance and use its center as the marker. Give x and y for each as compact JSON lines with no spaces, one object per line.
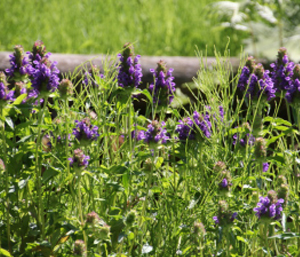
{"x":84,"y":174}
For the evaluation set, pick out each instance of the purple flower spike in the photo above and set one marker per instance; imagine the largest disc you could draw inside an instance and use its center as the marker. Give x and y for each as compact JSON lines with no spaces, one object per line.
{"x":257,"y":80}
{"x":155,"y":133}
{"x":282,"y":71}
{"x":45,"y":76}
{"x":85,"y":131}
{"x":163,"y":88}
{"x":266,"y":208}
{"x":188,"y":128}
{"x":265,"y":166}
{"x":130,"y":71}
{"x":19,"y":64}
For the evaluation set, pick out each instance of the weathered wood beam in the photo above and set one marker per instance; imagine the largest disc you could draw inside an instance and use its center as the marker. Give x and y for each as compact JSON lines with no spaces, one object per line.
{"x":185,"y":68}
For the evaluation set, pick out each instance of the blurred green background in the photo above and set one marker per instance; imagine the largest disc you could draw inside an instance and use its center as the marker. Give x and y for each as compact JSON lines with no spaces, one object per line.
{"x":156,"y":27}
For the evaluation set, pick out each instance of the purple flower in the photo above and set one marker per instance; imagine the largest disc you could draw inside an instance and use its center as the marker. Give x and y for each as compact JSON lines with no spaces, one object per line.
{"x":45,"y":76}
{"x":79,"y":159}
{"x":188,"y":128}
{"x":163,"y":88}
{"x":282,"y":71}
{"x":38,"y":51}
{"x":155,"y":133}
{"x":224,"y":183}
{"x":233,"y":216}
{"x":85,"y":131}
{"x":293,"y":91}
{"x":215,"y":218}
{"x":257,"y":80}
{"x":6,"y":95}
{"x":130,"y":71}
{"x":19,"y":63}
{"x":265,"y":208}
{"x":221,"y":110}
{"x":265,"y":166}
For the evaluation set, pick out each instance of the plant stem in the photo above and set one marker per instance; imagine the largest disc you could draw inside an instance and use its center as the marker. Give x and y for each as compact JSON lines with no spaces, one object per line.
{"x":6,"y":180}
{"x":38,"y":170}
{"x":80,"y":208}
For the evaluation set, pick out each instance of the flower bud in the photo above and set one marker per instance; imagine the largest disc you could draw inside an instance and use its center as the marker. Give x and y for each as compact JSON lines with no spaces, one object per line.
{"x":131,"y":218}
{"x":20,"y":88}
{"x":219,"y":167}
{"x":282,"y":57}
{"x":92,"y":218}
{"x":65,"y":88}
{"x":259,"y":71}
{"x":148,"y":164}
{"x":272,"y":195}
{"x":296,"y":72}
{"x":199,"y":229}
{"x":250,"y":63}
{"x":281,"y":180}
{"x":283,"y":192}
{"x":46,"y":143}
{"x":19,"y":55}
{"x":80,"y":248}
{"x":79,"y":160}
{"x":260,"y":150}
{"x":39,"y":48}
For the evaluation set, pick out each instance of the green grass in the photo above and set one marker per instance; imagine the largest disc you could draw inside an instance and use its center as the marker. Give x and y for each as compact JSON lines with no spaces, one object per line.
{"x":169,"y":27}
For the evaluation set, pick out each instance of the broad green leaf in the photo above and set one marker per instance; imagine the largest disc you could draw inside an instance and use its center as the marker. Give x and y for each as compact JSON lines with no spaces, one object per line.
{"x":5,"y":252}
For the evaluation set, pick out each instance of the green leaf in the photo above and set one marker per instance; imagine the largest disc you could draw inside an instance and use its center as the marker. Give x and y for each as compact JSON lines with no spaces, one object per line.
{"x":10,"y":122}
{"x":158,"y":162}
{"x":148,"y":95}
{"x":5,"y":253}
{"x":287,"y":235}
{"x":19,"y":99}
{"x":242,"y":239}
{"x":50,"y":173}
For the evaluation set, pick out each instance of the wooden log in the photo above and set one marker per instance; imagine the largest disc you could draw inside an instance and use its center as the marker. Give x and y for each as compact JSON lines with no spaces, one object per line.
{"x":185,"y":68}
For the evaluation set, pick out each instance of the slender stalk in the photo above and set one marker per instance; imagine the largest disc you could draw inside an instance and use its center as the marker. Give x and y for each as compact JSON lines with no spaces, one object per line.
{"x":6,"y":181}
{"x":80,"y":208}
{"x":38,"y":170}
{"x":67,"y":135}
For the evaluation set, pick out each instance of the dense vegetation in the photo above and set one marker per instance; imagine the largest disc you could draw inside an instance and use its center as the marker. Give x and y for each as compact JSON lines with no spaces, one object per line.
{"x":84,"y":174}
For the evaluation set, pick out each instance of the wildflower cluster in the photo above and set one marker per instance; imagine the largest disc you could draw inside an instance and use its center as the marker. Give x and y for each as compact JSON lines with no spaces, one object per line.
{"x":284,"y":76}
